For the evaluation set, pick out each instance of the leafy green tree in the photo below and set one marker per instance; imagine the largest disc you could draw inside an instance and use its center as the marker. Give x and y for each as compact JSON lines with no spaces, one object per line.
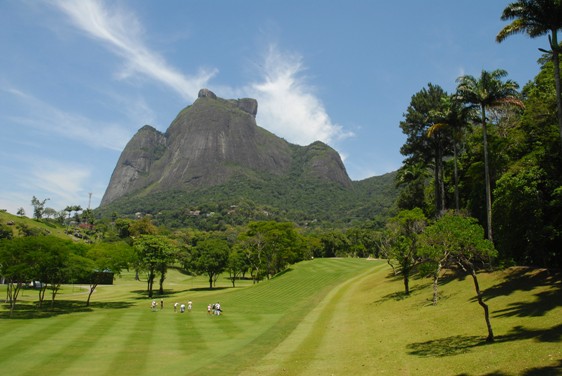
{"x":271,"y":246}
{"x":452,"y":116}
{"x":413,"y":178}
{"x":455,"y":240}
{"x":488,"y":91}
{"x":537,"y":18}
{"x":436,"y":245}
{"x":88,"y":217}
{"x":210,"y":257}
{"x":21,"y":212}
{"x":142,"y":226}
{"x":49,"y":212}
{"x":237,"y":264}
{"x":419,"y":148}
{"x":107,"y":257}
{"x":122,"y":228}
{"x":536,"y":163}
{"x":16,"y":266}
{"x":38,"y":207}
{"x":403,"y":231}
{"x":72,"y":209}
{"x":53,"y":264}
{"x":153,"y":253}
{"x":334,"y":243}
{"x":312,"y":245}
{"x":253,"y":245}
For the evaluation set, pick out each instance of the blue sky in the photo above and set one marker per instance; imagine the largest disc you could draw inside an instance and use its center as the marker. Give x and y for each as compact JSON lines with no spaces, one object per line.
{"x":79,"y":78}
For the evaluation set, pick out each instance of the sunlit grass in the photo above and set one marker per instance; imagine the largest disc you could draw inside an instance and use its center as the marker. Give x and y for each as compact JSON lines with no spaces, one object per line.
{"x":336,"y":316}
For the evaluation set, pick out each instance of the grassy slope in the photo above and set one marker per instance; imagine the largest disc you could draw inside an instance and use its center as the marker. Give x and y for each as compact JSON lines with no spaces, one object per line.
{"x":368,"y":327}
{"x":323,"y":317}
{"x":48,"y":228}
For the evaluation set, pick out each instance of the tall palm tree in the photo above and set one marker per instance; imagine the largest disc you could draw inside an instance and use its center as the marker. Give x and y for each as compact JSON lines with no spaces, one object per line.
{"x":486,"y":92}
{"x":452,"y":115}
{"x":537,"y":18}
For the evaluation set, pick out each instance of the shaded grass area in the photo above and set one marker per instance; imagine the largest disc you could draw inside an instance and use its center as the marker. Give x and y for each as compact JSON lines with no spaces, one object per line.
{"x":327,"y":316}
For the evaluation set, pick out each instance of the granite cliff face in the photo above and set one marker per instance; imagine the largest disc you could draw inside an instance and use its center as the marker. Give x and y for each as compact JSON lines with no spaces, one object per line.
{"x":210,"y":143}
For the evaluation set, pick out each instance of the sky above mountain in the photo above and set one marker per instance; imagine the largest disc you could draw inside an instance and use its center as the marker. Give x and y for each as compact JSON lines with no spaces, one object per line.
{"x":79,"y":78}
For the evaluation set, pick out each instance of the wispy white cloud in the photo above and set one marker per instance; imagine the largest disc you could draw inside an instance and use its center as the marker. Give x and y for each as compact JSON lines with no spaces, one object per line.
{"x":63,"y":183}
{"x":288,"y":106}
{"x":49,"y":119}
{"x":121,"y":32}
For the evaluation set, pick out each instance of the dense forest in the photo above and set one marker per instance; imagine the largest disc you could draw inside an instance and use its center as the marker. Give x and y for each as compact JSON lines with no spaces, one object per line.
{"x":493,"y":153}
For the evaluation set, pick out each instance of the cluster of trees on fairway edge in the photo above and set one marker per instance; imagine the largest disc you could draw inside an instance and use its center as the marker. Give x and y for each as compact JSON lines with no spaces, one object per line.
{"x":414,"y":244}
{"x":493,"y":151}
{"x":30,"y":251}
{"x":488,"y":151}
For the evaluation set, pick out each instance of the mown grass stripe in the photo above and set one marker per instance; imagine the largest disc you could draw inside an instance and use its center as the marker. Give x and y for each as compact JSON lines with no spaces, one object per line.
{"x":287,"y":319}
{"x":58,"y":331}
{"x":131,"y":356}
{"x":78,"y":347}
{"x":291,"y":355}
{"x":91,"y":354}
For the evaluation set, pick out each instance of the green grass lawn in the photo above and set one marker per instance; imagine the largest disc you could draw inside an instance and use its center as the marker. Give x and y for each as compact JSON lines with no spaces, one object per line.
{"x":322,"y":317}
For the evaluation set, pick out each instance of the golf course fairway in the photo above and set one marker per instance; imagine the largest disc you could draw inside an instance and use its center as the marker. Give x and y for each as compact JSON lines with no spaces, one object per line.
{"x":321,"y":317}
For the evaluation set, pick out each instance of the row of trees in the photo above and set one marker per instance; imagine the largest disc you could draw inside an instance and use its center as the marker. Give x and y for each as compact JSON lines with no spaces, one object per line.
{"x":47,"y":261}
{"x":414,"y":244}
{"x":40,"y":211}
{"x":488,"y":150}
{"x":257,"y":251}
{"x":493,"y":152}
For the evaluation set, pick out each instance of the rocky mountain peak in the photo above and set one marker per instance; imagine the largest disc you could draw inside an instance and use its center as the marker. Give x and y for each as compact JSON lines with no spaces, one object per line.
{"x":210,"y":143}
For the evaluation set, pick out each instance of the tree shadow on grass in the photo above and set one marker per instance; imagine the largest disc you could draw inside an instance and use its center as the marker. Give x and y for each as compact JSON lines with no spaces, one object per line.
{"x":545,"y":302}
{"x":525,"y":279}
{"x":61,"y":307}
{"x":519,"y":332}
{"x":401,"y":295}
{"x":545,"y":371}
{"x":455,"y":345}
{"x":448,"y":346}
{"x":143,"y":294}
{"x":528,"y":279}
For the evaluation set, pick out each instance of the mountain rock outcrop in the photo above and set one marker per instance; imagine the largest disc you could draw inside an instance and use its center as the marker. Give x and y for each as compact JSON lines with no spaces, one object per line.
{"x":210,"y":143}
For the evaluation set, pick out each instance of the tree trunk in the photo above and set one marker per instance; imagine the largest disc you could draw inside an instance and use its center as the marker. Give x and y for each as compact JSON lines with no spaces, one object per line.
{"x":487,"y":176}
{"x":92,"y":289}
{"x":150,"y":283}
{"x":438,"y":178}
{"x":456,"y":177}
{"x":162,"y":278}
{"x":442,"y":185}
{"x":490,"y":337}
{"x":406,"y":283}
{"x":436,"y":185}
{"x":556,"y":62}
{"x":435,"y":283}
{"x":42,"y":291}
